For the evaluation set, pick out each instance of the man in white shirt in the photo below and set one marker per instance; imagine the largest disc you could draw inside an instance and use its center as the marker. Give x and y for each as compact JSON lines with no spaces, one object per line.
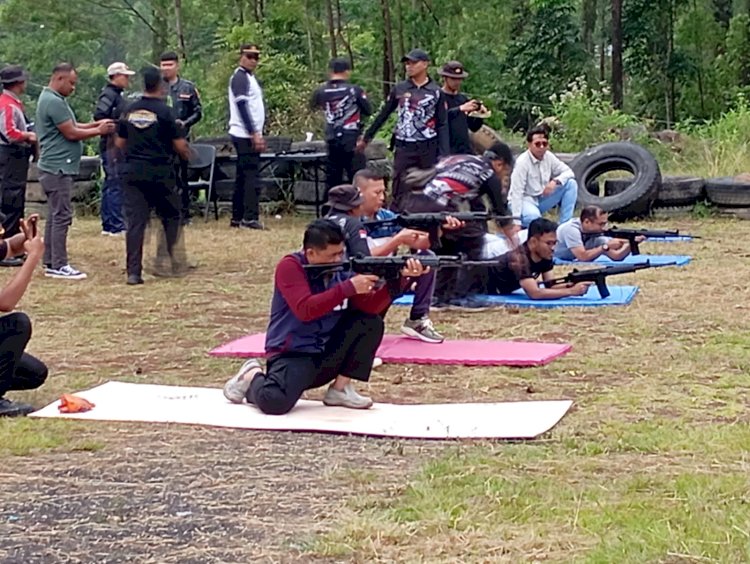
{"x":540,"y":181}
{"x":247,"y":115}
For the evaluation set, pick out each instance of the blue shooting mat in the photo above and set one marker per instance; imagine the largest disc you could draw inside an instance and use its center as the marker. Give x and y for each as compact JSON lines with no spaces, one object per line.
{"x":656,"y":260}
{"x":678,"y":239}
{"x":619,"y":295}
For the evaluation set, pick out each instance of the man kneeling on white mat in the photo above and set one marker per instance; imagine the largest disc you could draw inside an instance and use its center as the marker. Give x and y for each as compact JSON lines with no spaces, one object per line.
{"x":324,"y":327}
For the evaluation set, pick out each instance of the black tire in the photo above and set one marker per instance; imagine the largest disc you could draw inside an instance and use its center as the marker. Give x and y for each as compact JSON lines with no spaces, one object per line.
{"x":680,"y":191}
{"x":638,"y":198}
{"x":731,"y":192}
{"x":304,"y":191}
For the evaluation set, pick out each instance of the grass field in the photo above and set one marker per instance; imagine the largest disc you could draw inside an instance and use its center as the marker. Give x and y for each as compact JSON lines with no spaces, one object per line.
{"x":651,"y":465}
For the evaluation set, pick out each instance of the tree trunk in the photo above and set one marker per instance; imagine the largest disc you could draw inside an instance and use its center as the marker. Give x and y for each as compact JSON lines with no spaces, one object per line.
{"x":388,"y":70}
{"x":617,"y":54}
{"x":331,"y":28}
{"x":340,"y":27}
{"x":160,"y":29}
{"x":602,"y":48}
{"x":400,"y":24}
{"x":240,"y":11}
{"x":588,"y":24}
{"x":179,"y":29}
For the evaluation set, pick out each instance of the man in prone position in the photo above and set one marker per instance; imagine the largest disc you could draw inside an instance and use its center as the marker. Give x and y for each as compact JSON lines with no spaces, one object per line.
{"x":324,"y":328}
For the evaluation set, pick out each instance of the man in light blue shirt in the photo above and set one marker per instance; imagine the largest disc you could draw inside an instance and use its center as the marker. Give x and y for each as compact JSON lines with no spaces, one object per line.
{"x":540,"y":181}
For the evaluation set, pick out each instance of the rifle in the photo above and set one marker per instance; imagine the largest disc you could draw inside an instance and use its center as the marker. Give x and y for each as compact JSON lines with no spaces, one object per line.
{"x":388,"y":268}
{"x":599,"y":275}
{"x":632,"y":234}
{"x":427,"y":221}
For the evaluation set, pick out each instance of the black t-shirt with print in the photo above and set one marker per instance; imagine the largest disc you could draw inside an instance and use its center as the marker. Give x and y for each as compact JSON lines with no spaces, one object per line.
{"x":512,"y":267}
{"x":149,"y":128}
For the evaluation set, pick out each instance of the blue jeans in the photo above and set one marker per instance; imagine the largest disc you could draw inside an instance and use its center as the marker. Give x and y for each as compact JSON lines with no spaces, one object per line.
{"x":111,"y":207}
{"x":565,"y":196}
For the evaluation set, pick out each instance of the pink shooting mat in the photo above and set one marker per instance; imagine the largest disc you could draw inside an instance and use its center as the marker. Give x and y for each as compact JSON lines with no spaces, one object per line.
{"x":396,"y":349}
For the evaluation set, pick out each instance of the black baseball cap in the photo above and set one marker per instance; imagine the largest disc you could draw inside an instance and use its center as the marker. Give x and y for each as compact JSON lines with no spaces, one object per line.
{"x":339,"y":65}
{"x":344,"y":197}
{"x":416,"y":55}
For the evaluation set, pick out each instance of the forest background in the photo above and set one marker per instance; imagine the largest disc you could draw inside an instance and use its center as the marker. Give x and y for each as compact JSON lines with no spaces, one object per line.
{"x":597,"y":69}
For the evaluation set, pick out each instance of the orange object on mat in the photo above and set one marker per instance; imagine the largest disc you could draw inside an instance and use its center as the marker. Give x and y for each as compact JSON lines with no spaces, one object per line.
{"x":73,"y":404}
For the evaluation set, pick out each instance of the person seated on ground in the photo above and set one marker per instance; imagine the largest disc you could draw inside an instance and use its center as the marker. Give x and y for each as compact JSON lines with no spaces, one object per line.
{"x":347,"y":204}
{"x":18,"y":369}
{"x":581,"y":239}
{"x":459,"y":183}
{"x":540,"y":181}
{"x":521,"y":267}
{"x":323,"y":328}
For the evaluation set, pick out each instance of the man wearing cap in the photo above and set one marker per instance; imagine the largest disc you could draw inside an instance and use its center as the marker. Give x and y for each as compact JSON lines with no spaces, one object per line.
{"x":421,"y":134}
{"x":347,"y":205}
{"x":186,"y":104}
{"x":17,"y":143}
{"x":344,"y":105}
{"x":247,"y":115}
{"x":60,"y":139}
{"x":461,"y":111}
{"x":110,"y":105}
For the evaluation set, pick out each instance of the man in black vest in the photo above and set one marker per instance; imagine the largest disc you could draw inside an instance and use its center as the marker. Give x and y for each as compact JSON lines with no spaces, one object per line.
{"x":110,"y":105}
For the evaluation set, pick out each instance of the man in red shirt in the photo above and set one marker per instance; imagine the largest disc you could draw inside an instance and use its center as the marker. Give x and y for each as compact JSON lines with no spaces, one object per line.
{"x":324,"y":328}
{"x":16,"y":145}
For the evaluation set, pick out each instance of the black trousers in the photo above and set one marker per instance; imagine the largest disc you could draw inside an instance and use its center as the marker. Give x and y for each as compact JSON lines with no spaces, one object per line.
{"x":342,"y":158}
{"x":245,"y":201}
{"x":149,"y":188}
{"x":454,"y":283}
{"x":18,"y":370}
{"x":423,"y":154}
{"x":349,"y":352}
{"x":14,"y":167}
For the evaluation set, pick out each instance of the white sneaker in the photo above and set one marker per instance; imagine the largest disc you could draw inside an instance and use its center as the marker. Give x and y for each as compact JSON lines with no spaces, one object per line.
{"x":237,"y":386}
{"x":377,"y":362}
{"x":346,"y":398}
{"x":66,"y":272}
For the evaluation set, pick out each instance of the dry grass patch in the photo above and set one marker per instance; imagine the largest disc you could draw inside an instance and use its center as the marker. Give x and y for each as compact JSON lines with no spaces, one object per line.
{"x":648,"y":467}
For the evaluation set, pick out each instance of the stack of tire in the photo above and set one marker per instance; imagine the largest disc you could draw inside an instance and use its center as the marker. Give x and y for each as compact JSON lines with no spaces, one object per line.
{"x":646,"y":192}
{"x":84,"y":187}
{"x":731,"y":194}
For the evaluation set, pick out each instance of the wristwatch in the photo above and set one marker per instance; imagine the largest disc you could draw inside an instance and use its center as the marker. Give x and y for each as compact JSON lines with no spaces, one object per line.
{"x":605,"y":247}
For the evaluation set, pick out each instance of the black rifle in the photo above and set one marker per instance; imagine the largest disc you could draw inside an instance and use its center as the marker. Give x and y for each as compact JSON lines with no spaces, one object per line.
{"x":599,"y":275}
{"x":428,"y":221}
{"x":388,"y":268}
{"x":632,"y":234}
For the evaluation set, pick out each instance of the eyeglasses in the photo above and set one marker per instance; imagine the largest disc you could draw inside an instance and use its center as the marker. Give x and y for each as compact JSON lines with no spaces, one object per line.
{"x":254,"y":56}
{"x":541,"y":144}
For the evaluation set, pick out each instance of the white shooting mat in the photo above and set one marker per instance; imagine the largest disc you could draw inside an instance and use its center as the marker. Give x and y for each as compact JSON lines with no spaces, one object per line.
{"x":120,"y":401}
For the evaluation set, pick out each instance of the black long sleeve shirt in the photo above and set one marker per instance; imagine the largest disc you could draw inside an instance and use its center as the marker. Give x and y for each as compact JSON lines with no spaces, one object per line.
{"x":459,"y":125}
{"x":422,"y":115}
{"x":344,"y":106}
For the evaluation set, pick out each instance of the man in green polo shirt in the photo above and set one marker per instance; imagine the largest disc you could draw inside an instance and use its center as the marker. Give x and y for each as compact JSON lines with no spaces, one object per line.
{"x":61,"y":148}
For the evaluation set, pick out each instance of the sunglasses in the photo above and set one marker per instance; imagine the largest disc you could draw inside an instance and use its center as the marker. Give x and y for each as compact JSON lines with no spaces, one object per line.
{"x":254,"y":56}
{"x":541,"y":143}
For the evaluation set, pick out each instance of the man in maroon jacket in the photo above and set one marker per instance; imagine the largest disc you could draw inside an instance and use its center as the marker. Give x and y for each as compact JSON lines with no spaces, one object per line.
{"x":323,"y":328}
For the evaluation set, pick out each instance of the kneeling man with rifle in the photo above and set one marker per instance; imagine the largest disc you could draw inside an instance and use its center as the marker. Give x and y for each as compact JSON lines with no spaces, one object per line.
{"x":325,"y":326}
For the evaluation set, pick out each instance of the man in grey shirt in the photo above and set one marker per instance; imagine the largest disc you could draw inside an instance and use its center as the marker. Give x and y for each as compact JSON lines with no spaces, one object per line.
{"x":540,"y":181}
{"x":60,"y":139}
{"x":581,"y":239}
